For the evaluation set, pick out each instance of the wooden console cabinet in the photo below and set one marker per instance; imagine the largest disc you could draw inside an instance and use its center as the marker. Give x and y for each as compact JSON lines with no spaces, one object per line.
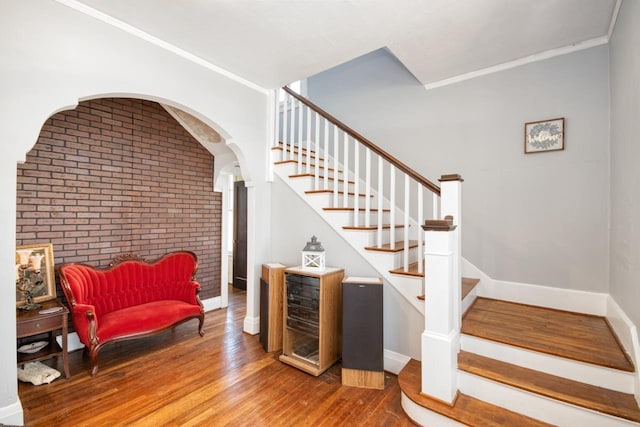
{"x":312,"y":333}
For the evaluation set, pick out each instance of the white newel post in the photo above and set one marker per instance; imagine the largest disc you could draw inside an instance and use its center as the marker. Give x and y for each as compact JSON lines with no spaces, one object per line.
{"x":440,"y":339}
{"x":451,"y":205}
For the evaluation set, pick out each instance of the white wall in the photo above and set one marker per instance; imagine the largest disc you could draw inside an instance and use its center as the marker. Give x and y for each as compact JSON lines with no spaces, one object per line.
{"x":52,"y":57}
{"x":625,"y":155}
{"x":293,"y":222}
{"x":536,"y":218}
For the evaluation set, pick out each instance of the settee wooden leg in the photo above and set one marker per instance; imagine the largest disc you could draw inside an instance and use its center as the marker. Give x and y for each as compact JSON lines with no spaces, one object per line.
{"x":201,"y":326}
{"x":93,"y":354}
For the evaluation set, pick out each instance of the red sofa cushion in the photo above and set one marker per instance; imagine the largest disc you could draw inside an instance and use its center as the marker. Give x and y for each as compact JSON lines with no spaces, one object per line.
{"x":139,"y":319}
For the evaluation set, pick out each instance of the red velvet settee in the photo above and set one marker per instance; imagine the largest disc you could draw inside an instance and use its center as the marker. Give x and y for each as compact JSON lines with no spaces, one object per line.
{"x":131,"y":299}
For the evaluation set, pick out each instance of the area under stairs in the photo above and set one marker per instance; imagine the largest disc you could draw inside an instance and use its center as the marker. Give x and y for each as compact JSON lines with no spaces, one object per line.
{"x":545,"y":365}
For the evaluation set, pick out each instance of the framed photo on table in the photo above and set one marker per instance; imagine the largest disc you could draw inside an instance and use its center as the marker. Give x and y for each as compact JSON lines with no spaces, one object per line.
{"x":35,"y":275}
{"x":545,"y":135}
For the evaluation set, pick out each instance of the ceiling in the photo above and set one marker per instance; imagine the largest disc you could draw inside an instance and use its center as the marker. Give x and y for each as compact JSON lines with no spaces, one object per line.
{"x":273,"y":42}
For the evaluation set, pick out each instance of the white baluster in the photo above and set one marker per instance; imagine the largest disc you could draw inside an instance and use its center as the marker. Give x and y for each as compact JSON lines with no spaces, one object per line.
{"x":436,"y":206}
{"x":285,"y":129}
{"x":392,"y":206}
{"x":316,"y":174}
{"x":345,"y":172}
{"x":292,"y":134}
{"x":367,"y":188}
{"x":420,"y":234}
{"x":276,"y":131}
{"x":356,"y":187}
{"x":308,"y":169}
{"x":300,"y":127}
{"x":325,"y":155}
{"x":336,"y":181}
{"x":380,"y":196}
{"x":407,"y":187}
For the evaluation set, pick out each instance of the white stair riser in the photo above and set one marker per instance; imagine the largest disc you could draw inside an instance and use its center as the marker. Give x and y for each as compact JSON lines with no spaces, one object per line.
{"x":346,"y":217}
{"x":369,"y":237}
{"x":533,"y":405}
{"x":578,"y":371}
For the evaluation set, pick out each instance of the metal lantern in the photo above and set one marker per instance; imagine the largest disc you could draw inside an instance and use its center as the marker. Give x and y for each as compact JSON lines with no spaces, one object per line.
{"x":313,"y":255}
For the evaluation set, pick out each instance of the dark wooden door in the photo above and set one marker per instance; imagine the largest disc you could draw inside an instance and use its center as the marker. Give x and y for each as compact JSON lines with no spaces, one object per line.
{"x":239,"y":235}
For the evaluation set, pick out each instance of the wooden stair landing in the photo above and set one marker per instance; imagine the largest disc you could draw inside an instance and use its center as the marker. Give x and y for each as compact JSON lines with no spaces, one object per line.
{"x":466,"y":409}
{"x":467,"y":286}
{"x":575,"y":336}
{"x":600,"y":399}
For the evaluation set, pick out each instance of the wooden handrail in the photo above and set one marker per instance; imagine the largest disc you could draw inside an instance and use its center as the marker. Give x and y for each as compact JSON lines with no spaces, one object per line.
{"x":379,"y":151}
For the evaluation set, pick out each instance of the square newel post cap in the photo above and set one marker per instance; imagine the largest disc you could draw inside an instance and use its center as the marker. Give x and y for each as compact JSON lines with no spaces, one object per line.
{"x":451,"y":177}
{"x":445,"y":224}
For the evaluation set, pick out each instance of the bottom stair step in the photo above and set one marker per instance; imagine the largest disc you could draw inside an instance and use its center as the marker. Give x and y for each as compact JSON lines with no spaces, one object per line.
{"x":466,"y":410}
{"x":576,"y":393}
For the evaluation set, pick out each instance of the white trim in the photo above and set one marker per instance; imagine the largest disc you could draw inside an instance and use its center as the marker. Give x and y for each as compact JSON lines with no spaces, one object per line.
{"x":136,"y":32}
{"x":251,"y":325}
{"x":212,"y":303}
{"x":521,"y":61}
{"x":534,"y":405}
{"x":627,"y":332}
{"x":12,"y":414}
{"x":394,"y":362}
{"x":423,"y":416}
{"x":614,"y":19}
{"x":544,"y":296}
{"x":587,"y":373}
{"x":73,"y":342}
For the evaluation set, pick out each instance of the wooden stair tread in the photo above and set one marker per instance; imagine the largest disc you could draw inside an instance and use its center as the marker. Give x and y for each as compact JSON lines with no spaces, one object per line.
{"x":413,"y":271}
{"x":310,"y":175}
{"x":399,"y":247}
{"x":575,"y":336}
{"x":466,"y":409}
{"x":312,"y":165}
{"x":352,"y":209}
{"x":600,"y":399}
{"x":331,"y":192}
{"x":467,"y":284}
{"x":371,"y":227}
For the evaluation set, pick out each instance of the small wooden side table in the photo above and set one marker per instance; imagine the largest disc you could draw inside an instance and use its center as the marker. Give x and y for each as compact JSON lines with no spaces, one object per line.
{"x":30,"y":323}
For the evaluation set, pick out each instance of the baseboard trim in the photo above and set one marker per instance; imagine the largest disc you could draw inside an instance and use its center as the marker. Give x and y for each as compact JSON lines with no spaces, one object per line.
{"x":394,"y":362}
{"x":12,"y":415}
{"x":251,"y":325}
{"x":212,"y":303}
{"x":628,"y":335}
{"x":594,"y":303}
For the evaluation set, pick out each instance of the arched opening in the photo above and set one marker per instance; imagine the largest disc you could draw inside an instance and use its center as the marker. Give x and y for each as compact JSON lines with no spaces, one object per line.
{"x":120,"y":175}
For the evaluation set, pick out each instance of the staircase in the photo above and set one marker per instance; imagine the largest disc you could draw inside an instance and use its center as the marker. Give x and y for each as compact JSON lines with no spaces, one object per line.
{"x":518,"y":365}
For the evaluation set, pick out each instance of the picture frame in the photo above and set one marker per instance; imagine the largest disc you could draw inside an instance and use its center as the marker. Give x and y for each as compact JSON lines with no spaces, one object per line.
{"x":544,"y":135}
{"x":35,"y":273}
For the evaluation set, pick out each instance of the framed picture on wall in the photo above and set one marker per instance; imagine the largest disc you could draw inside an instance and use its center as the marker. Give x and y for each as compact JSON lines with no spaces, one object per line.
{"x":35,"y":280}
{"x":545,"y":135}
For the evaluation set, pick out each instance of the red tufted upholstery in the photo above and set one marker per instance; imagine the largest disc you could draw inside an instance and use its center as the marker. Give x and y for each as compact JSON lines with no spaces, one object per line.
{"x":132,"y":299}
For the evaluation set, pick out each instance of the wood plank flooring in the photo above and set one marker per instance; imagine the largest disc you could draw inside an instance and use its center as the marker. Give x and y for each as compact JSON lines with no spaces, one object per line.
{"x":178,"y":378}
{"x":588,"y":396}
{"x":571,"y":335}
{"x":466,"y":410}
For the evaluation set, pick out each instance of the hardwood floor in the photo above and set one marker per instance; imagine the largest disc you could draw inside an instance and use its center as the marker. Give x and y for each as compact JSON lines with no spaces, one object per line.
{"x":178,"y":378}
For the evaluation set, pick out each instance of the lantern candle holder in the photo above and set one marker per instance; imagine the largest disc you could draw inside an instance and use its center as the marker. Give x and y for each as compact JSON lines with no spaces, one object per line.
{"x":313,"y":255}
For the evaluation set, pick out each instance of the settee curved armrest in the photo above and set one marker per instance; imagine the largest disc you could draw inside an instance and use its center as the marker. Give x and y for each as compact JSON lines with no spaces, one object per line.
{"x":85,"y":322}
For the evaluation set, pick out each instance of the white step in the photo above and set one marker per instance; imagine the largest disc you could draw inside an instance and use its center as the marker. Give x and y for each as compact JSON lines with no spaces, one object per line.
{"x":600,"y":376}
{"x":533,"y":405}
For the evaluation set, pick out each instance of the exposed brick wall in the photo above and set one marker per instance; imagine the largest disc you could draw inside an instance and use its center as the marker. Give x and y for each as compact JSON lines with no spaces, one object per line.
{"x":116,"y":176}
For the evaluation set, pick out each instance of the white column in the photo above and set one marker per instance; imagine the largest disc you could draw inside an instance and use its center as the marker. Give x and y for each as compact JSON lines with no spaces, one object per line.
{"x":440,"y":339}
{"x":451,"y":204}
